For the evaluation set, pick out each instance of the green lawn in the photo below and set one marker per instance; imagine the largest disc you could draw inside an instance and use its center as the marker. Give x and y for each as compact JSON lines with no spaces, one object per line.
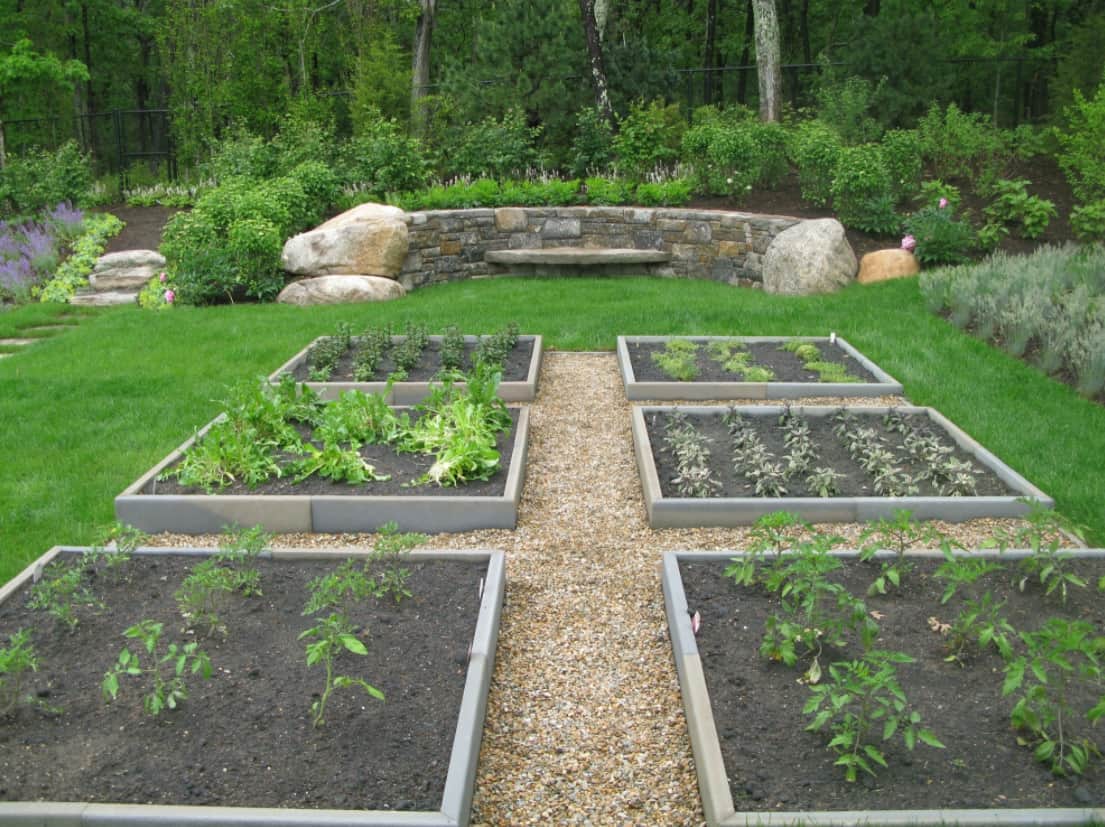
{"x":84,"y":413}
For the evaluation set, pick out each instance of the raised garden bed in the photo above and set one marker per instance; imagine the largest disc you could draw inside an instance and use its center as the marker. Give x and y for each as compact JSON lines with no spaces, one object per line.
{"x":520,"y":369}
{"x":758,"y":764}
{"x":156,"y":502}
{"x":715,"y":493}
{"x":747,"y":367}
{"x":242,"y":747}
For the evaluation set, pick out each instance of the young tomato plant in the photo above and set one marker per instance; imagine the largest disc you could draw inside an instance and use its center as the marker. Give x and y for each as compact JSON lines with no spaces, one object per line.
{"x":1064,"y":657}
{"x":61,"y":592}
{"x":162,"y":672}
{"x":1048,"y":562}
{"x":334,"y":634}
{"x":858,"y":695}
{"x":17,"y":660}
{"x":898,"y":534}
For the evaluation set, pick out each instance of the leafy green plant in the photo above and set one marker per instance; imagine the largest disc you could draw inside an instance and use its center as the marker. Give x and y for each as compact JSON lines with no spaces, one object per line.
{"x":388,"y":549}
{"x":593,"y":145}
{"x":692,"y":457}
{"x":1062,"y":655}
{"x":771,"y":534}
{"x":1081,"y":142}
{"x":1087,"y":221}
{"x":333,"y":635}
{"x":452,"y":349}
{"x":672,"y":193}
{"x":961,"y":571}
{"x":940,"y":237}
{"x":815,"y":149}
{"x":862,"y":192}
{"x":648,"y":137}
{"x":677,"y":359}
{"x":61,"y":591}
{"x":17,"y":660}
{"x":812,"y":360}
{"x":335,"y":463}
{"x":980,"y":621}
{"x":494,"y":350}
{"x":858,"y":695}
{"x":202,"y":595}
{"x":959,"y":144}
{"x":1012,"y":205}
{"x":1048,"y":562}
{"x":898,"y":534}
{"x":161,"y":672}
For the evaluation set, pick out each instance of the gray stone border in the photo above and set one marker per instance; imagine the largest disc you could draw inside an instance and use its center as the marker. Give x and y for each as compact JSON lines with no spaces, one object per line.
{"x":729,"y":512}
{"x":713,"y":781}
{"x":411,"y":393}
{"x":321,"y":513}
{"x":884,"y":384}
{"x":460,"y":778}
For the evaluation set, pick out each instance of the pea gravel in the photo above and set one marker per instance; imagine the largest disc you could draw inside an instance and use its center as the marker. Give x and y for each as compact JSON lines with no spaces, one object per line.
{"x":585,"y":724}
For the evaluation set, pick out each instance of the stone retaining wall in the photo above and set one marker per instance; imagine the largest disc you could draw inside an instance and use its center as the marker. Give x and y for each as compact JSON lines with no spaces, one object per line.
{"x":449,"y":245}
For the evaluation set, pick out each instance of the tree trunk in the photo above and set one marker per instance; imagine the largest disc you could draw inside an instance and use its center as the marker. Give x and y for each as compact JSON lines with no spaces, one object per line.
{"x":767,"y":59}
{"x":420,"y":62}
{"x":594,"y":53}
{"x":709,"y":58}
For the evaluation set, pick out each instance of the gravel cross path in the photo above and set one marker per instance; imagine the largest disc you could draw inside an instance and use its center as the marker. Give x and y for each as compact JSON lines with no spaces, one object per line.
{"x":585,"y":724}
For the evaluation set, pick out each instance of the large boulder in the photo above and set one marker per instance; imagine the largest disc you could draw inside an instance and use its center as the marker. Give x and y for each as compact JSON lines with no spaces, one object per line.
{"x":341,"y":290}
{"x":126,"y":270}
{"x":367,"y":240}
{"x":810,"y":257}
{"x":883,"y":265}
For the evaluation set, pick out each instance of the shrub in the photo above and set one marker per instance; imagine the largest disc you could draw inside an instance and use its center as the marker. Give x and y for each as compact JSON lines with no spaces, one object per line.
{"x":941,"y":237}
{"x":673,"y":193}
{"x":320,"y":185}
{"x":603,"y":192}
{"x":648,"y":137}
{"x":495,"y":148}
{"x":1088,"y":221}
{"x":385,"y":159}
{"x":593,"y":144}
{"x":254,"y":246}
{"x":959,"y":144}
{"x":1012,"y":205}
{"x":305,"y":136}
{"x":238,"y":154}
{"x":1080,"y":155}
{"x":844,"y":106}
{"x":732,"y":156}
{"x":41,"y":179}
{"x":904,"y":157}
{"x":815,"y":149}
{"x":862,"y":195}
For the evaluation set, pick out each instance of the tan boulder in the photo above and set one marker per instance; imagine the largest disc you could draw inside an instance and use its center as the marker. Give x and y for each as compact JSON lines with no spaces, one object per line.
{"x":370,"y":239}
{"x":883,"y":265}
{"x":341,"y":290}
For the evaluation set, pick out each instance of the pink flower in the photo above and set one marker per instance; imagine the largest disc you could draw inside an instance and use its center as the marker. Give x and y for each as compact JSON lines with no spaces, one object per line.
{"x":943,"y":203}
{"x":163,"y":277}
{"x":908,"y":243}
{"x":169,"y":296}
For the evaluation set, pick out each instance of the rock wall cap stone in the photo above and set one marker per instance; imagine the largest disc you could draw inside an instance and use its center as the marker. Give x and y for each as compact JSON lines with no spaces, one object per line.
{"x":883,"y":265}
{"x":810,"y":257}
{"x":341,"y":290}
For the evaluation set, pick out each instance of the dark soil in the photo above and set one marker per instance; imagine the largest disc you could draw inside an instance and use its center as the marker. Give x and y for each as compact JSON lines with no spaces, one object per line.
{"x":515,"y":368}
{"x":786,"y":366}
{"x":143,"y":228}
{"x":245,"y":738}
{"x":403,"y":468}
{"x":773,"y":764}
{"x":830,"y":453}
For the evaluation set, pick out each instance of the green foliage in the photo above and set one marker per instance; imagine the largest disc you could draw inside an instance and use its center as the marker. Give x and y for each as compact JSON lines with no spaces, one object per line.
{"x":1012,"y":205}
{"x":1088,"y":221}
{"x":898,"y":534}
{"x":677,"y":360}
{"x":593,"y":145}
{"x":333,"y":635}
{"x":732,"y":155}
{"x":306,"y":135}
{"x":903,"y":154}
{"x":384,"y":159}
{"x":238,"y":154}
{"x":959,"y":144}
{"x":980,"y":621}
{"x":605,"y":192}
{"x":495,"y":148}
{"x":41,"y":179}
{"x":815,"y":149}
{"x":1048,"y":563}
{"x":17,"y":659}
{"x":161,"y":673}
{"x":673,"y":193}
{"x":845,"y":106}
{"x":1063,"y":655}
{"x":61,"y":591}
{"x":73,"y":272}
{"x":254,"y":246}
{"x":648,"y":138}
{"x":862,"y":191}
{"x":941,"y":237}
{"x":1080,"y":155}
{"x":858,"y":695}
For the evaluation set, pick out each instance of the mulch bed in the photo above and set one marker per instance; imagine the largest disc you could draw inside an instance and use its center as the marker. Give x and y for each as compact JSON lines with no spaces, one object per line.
{"x":142,"y":230}
{"x":245,"y":738}
{"x":785,"y":365}
{"x":515,"y":367}
{"x":403,"y":468}
{"x":773,"y":764}
{"x":830,"y":452}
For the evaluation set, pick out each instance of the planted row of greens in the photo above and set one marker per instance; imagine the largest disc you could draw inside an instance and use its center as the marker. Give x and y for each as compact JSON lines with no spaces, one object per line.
{"x":679,"y":361}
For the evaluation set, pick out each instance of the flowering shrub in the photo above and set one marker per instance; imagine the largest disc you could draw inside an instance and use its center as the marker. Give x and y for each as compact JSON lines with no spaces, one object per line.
{"x":939,"y":238}
{"x":158,"y":294}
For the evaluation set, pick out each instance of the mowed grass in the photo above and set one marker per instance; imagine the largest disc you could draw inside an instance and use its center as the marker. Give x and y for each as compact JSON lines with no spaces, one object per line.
{"x":85,"y":412}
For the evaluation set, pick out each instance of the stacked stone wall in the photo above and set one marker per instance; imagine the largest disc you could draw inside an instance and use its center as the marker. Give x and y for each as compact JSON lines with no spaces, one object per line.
{"x":449,"y":245}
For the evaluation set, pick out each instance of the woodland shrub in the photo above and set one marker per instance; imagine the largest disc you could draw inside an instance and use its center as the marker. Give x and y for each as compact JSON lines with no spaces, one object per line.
{"x":1081,"y":156}
{"x":732,"y":153}
{"x":1050,"y":304}
{"x":593,"y":145}
{"x":494,"y":148}
{"x":384,"y":159}
{"x":959,"y":144}
{"x":814,"y":148}
{"x":862,"y":194}
{"x":40,"y":179}
{"x":648,"y":137}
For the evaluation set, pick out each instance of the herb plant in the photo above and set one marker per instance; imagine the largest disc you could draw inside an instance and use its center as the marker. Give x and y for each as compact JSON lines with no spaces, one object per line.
{"x":162,"y":672}
{"x":812,"y":360}
{"x":493,"y":350}
{"x":374,"y":345}
{"x":857,"y":697}
{"x":452,"y":349}
{"x":677,"y":360}
{"x":332,"y":635}
{"x":692,"y":458}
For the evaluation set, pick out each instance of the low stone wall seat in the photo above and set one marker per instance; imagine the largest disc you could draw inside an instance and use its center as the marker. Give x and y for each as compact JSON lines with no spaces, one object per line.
{"x":575,"y":260}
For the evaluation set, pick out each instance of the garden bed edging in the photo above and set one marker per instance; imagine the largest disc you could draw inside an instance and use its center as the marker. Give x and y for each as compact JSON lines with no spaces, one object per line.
{"x":460,"y":777}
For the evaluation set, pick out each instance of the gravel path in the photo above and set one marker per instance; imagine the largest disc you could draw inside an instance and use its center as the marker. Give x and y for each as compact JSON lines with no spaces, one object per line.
{"x":585,"y":724}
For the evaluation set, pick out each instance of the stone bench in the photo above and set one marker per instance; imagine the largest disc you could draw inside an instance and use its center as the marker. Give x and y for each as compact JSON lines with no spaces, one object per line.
{"x":558,"y":261}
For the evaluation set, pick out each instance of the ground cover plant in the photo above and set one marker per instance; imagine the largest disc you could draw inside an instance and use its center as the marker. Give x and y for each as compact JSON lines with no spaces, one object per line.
{"x":875,"y":671}
{"x":132,"y":678}
{"x":60,"y":466}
